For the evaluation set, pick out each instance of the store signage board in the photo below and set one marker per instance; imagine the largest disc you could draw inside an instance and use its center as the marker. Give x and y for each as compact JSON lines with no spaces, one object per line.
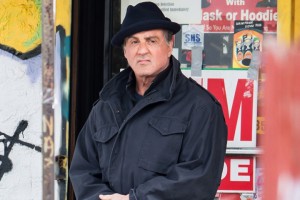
{"x":219,"y":16}
{"x":238,"y":96}
{"x":182,"y":12}
{"x":238,"y":175}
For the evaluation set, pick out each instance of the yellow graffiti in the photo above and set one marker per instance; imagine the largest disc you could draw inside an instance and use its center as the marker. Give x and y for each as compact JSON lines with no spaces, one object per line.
{"x":48,"y":162}
{"x":48,"y":143}
{"x":63,"y":15}
{"x":48,"y":125}
{"x":48,"y":146}
{"x":20,"y":24}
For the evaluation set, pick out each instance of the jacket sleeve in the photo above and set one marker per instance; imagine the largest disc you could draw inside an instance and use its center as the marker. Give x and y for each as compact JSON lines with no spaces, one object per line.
{"x":85,"y":173}
{"x":198,"y":172}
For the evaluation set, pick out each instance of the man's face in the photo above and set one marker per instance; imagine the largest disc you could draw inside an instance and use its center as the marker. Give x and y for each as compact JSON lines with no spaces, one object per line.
{"x":147,"y":53}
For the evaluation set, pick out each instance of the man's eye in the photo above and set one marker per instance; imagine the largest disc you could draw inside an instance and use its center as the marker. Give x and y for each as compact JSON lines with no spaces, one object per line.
{"x":133,"y":42}
{"x":152,"y":42}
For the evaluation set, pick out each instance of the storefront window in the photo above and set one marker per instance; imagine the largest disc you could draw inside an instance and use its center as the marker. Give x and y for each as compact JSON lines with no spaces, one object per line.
{"x":220,"y":45}
{"x":209,"y":27}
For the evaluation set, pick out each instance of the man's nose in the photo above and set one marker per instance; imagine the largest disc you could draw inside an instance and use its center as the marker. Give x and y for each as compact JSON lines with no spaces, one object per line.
{"x":143,"y":48}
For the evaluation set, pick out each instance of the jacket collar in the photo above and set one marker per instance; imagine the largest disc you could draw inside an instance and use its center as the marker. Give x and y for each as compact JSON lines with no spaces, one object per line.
{"x":164,"y":84}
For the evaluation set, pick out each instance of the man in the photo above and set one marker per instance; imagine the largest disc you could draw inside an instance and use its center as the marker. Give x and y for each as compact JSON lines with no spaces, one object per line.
{"x":154,"y":134}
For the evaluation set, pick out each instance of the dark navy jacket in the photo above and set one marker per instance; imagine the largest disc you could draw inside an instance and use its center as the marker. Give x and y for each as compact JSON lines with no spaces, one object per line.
{"x":170,"y":145}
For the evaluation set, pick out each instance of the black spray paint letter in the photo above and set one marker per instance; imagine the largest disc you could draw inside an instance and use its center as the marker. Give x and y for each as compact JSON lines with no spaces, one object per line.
{"x":9,"y":141}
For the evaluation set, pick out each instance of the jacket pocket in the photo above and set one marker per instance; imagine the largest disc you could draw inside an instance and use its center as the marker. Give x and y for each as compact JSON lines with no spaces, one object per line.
{"x":162,"y":144}
{"x":104,"y":138}
{"x":105,"y":133}
{"x":168,"y":125}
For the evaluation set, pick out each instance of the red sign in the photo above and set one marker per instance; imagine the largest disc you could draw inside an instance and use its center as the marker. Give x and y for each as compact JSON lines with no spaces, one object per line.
{"x":238,"y":174}
{"x":219,"y":16}
{"x":238,"y":96}
{"x":240,"y":105}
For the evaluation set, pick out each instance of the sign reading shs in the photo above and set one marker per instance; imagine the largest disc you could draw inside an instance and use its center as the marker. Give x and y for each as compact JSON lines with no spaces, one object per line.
{"x":193,"y":36}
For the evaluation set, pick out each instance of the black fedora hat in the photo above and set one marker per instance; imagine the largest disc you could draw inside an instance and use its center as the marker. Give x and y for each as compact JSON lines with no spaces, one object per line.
{"x":142,"y":17}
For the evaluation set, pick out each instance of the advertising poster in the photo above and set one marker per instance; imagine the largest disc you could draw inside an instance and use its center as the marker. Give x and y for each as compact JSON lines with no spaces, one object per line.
{"x":247,"y":43}
{"x":218,"y":18}
{"x":219,"y":15}
{"x":238,"y":175}
{"x":218,"y":50}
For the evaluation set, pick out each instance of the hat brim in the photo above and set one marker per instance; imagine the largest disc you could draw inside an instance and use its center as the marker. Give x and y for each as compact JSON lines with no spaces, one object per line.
{"x":119,"y":37}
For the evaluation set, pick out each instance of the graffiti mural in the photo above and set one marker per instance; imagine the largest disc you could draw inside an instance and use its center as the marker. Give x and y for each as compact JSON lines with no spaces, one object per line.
{"x":21,"y":98}
{"x":62,"y":93}
{"x":20,"y":127}
{"x":6,"y":164}
{"x":21,"y":16}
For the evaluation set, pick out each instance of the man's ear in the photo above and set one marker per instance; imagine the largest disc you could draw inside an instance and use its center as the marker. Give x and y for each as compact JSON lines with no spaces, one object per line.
{"x":172,"y":43}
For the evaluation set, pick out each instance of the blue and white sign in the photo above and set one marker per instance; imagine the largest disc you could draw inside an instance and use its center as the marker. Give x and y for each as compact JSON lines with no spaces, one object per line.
{"x":192,"y":36}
